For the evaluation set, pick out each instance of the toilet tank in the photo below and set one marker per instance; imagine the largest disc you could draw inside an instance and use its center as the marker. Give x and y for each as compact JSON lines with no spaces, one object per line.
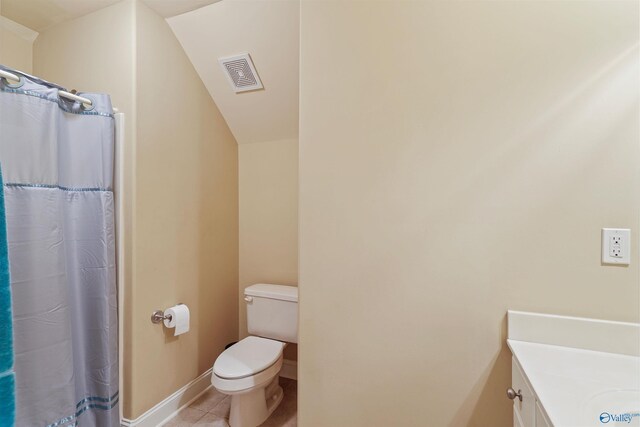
{"x":272,"y":311}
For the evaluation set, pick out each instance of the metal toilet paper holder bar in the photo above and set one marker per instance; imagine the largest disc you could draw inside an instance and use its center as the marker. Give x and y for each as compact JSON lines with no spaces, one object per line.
{"x":159,"y":316}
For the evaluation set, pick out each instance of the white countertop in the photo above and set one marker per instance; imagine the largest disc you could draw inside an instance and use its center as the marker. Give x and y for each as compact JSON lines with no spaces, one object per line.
{"x":575,"y":386}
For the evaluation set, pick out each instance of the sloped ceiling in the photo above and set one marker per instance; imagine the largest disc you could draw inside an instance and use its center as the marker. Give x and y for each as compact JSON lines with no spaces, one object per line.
{"x":42,"y":14}
{"x":167,"y":8}
{"x":269,"y":32}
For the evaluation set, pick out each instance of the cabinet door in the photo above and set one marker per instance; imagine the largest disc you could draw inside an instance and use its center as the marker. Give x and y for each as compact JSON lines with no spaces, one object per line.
{"x":517,"y":422}
{"x":541,"y":418}
{"x":527,"y":407}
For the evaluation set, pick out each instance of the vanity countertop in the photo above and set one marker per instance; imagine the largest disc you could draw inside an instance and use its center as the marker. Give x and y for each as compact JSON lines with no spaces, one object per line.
{"x":579,"y":387}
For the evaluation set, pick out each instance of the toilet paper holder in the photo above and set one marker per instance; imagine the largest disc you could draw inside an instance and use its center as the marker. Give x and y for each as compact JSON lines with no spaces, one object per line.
{"x":158,"y":316}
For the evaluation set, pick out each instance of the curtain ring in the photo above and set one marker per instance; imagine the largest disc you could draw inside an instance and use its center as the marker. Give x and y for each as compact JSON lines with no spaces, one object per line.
{"x":15,"y":85}
{"x":86,"y":107}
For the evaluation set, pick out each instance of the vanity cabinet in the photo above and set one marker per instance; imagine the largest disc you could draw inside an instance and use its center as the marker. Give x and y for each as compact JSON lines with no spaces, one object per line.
{"x":527,"y":411}
{"x":567,"y":370}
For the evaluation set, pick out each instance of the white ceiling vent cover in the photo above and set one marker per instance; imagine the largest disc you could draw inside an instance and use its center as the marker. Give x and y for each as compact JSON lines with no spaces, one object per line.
{"x":241,"y":72}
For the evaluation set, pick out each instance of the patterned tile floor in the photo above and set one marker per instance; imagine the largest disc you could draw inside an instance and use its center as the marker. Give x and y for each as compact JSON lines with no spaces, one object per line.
{"x":212,"y":410}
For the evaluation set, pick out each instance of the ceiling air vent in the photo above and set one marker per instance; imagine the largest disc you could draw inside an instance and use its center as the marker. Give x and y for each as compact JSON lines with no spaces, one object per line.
{"x":241,"y":73}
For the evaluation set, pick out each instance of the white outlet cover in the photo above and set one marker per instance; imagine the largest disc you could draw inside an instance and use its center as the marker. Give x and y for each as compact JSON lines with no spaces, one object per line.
{"x":616,"y":246}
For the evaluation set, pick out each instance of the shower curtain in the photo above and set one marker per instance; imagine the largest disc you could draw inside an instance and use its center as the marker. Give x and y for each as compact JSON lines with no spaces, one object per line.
{"x":57,"y":163}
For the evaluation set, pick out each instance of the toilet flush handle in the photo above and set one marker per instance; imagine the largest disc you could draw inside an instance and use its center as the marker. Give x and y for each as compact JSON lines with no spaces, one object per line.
{"x":248,"y":299}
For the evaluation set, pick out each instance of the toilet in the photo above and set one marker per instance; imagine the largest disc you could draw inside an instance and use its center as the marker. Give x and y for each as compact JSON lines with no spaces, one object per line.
{"x":249,"y":370}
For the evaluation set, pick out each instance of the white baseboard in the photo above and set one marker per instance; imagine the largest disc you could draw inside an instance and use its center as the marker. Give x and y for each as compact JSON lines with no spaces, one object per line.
{"x":289,"y":369}
{"x":182,"y":398}
{"x":170,"y":406}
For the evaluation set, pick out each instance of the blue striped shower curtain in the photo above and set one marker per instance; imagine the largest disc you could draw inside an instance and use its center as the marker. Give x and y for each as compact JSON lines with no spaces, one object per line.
{"x":57,"y":163}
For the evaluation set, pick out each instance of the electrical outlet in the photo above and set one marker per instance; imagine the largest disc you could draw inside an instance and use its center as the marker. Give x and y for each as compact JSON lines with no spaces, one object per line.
{"x":616,"y":246}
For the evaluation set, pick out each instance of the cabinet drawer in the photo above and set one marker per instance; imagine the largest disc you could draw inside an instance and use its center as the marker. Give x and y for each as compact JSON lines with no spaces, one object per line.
{"x":525,"y":409}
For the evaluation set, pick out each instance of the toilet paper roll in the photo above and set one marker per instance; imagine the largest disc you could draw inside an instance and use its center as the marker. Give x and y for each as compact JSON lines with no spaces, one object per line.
{"x":179,"y":319}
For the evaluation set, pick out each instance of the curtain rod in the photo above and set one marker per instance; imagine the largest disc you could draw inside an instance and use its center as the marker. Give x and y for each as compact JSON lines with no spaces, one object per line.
{"x":10,"y":76}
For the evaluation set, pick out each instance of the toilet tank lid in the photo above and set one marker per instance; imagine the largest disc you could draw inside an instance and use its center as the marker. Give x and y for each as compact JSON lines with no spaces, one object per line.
{"x":280,"y":292}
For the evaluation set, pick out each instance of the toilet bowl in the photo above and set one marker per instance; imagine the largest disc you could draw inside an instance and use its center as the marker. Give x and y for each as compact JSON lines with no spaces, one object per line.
{"x":249,"y":370}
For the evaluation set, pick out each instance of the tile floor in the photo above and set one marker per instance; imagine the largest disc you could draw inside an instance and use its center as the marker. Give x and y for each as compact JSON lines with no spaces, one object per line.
{"x":212,"y":410}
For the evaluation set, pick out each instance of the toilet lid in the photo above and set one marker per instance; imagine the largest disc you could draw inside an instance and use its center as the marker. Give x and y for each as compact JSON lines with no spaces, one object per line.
{"x":247,"y":357}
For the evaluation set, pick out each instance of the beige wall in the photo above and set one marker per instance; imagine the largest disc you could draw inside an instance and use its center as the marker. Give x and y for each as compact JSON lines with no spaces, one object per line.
{"x":268,"y":177}
{"x":464,"y":167}
{"x":101,"y":60}
{"x":186,"y":217}
{"x":16,"y":45}
{"x":181,"y":201}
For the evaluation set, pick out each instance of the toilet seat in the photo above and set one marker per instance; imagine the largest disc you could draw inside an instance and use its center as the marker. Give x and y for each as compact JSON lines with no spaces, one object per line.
{"x":247,"y":358}
{"x":242,"y":385}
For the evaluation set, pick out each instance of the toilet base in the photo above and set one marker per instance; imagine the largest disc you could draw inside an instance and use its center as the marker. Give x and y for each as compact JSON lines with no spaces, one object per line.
{"x":253,"y":408}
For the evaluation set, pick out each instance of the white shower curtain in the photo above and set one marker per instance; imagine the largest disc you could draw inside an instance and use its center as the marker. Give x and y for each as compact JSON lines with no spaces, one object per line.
{"x":57,"y":164}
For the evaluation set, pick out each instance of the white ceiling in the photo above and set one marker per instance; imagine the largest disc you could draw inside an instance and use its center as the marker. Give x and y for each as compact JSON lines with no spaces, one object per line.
{"x":41,"y":14}
{"x":269,"y":32}
{"x":167,"y":8}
